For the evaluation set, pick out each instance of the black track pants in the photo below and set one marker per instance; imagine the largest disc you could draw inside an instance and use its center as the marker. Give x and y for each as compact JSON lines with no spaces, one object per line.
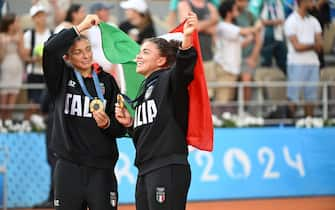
{"x":78,"y":187}
{"x":164,"y":188}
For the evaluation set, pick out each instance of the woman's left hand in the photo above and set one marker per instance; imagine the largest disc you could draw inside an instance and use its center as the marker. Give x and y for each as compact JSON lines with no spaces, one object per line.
{"x":101,"y":118}
{"x":191,"y":24}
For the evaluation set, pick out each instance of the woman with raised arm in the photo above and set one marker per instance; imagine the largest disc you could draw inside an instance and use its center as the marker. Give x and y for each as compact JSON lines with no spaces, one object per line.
{"x":160,"y":125}
{"x":84,"y":126}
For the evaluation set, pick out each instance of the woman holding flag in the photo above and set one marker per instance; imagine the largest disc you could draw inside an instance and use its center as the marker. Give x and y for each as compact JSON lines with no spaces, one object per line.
{"x":160,"y":125}
{"x":84,"y":126}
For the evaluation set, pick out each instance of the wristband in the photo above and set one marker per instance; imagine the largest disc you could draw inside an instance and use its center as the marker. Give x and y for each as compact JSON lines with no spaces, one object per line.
{"x":76,"y":30}
{"x":181,"y":48}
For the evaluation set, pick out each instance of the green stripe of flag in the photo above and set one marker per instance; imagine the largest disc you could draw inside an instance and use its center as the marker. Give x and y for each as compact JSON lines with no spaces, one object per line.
{"x":119,"y":48}
{"x":132,"y":79}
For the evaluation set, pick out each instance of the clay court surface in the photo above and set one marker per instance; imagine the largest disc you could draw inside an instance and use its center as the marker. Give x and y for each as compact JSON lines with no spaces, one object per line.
{"x":313,"y":203}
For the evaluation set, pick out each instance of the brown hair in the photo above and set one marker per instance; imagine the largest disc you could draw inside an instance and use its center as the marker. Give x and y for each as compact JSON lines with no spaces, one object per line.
{"x":72,"y":9}
{"x":147,"y":20}
{"x":6,"y":21}
{"x":77,"y":39}
{"x":166,"y":48}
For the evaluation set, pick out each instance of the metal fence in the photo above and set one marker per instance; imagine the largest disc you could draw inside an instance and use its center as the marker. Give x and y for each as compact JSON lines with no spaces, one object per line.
{"x":326,"y":96}
{"x":259,"y":101}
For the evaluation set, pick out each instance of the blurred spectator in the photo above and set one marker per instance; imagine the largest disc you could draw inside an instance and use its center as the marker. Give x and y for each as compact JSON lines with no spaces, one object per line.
{"x":321,"y":11}
{"x":4,"y":8}
{"x":289,"y":6}
{"x":33,"y":43}
{"x":327,"y":74}
{"x":256,"y":6}
{"x":74,"y":15}
{"x":56,"y":10}
{"x":139,"y":24}
{"x":304,"y":41}
{"x":102,"y":10}
{"x":273,"y":17}
{"x":11,"y":69}
{"x":228,"y":52}
{"x":172,"y":15}
{"x":250,"y":53}
{"x":208,"y":19}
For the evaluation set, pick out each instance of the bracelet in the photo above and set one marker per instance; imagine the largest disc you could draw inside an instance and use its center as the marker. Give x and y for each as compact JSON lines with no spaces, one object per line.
{"x":186,"y":48}
{"x":181,"y":48}
{"x":76,"y":30}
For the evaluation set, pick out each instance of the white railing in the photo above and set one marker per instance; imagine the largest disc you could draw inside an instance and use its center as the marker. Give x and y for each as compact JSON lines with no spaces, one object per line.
{"x":257,"y":87}
{"x":324,"y":99}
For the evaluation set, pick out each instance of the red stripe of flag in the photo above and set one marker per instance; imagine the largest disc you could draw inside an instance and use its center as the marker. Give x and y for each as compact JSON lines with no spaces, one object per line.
{"x":200,"y":125}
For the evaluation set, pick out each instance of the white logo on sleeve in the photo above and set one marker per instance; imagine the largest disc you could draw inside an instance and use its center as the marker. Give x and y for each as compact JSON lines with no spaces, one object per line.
{"x":148,"y":92}
{"x":71,"y":83}
{"x":145,"y":113}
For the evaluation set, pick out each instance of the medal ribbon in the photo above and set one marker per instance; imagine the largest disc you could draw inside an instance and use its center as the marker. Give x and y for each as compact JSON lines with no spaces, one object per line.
{"x":96,"y":85}
{"x":144,"y":86}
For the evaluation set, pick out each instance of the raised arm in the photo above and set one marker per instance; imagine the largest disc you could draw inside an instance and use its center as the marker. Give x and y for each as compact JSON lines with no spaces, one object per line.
{"x":204,"y":25}
{"x":182,"y":73}
{"x":53,"y":63}
{"x":56,"y":47}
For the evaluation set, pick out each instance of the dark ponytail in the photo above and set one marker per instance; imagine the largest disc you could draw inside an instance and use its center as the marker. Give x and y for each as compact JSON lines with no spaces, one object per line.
{"x":72,"y":9}
{"x":6,"y":21}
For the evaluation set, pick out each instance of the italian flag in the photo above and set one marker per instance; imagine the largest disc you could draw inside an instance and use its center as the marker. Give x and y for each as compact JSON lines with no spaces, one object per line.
{"x":120,"y":49}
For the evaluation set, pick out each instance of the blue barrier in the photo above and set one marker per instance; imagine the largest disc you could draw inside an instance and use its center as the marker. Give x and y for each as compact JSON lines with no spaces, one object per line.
{"x":246,"y":163}
{"x":28,"y":173}
{"x":271,"y":162}
{"x":1,"y":189}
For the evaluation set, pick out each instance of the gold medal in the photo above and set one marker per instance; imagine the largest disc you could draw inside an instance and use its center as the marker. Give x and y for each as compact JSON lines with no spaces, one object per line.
{"x":96,"y":105}
{"x":120,"y":100}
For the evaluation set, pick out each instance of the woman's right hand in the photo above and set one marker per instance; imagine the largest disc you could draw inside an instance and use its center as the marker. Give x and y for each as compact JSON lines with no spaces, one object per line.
{"x":123,"y":116}
{"x":88,"y":22}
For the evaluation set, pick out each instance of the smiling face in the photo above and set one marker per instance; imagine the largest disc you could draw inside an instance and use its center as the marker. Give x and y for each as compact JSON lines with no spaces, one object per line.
{"x":80,"y":55}
{"x":149,"y":59}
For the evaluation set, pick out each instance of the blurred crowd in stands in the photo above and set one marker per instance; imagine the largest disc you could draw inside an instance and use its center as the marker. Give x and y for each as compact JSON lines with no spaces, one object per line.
{"x":241,"y":41}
